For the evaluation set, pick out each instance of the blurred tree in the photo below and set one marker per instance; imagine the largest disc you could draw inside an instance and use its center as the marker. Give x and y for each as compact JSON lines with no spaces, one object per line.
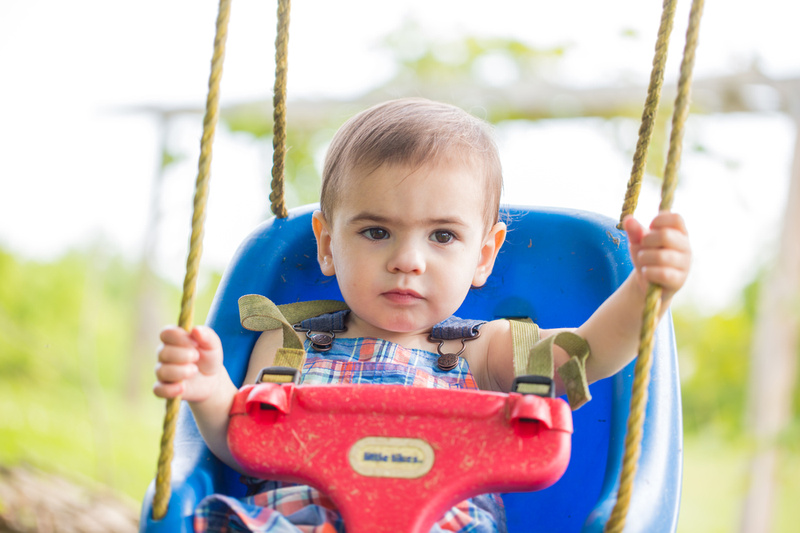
{"x":149,"y":316}
{"x":774,"y":352}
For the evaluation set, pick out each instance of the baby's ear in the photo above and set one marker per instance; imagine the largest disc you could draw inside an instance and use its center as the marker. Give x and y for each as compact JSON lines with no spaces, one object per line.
{"x":324,"y":250}
{"x":491,"y":246}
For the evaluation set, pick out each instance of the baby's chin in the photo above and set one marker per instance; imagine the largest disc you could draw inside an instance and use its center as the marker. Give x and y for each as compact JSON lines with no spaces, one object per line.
{"x":403,"y":325}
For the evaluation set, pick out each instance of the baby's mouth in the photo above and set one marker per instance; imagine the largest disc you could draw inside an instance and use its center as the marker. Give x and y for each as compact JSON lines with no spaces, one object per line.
{"x":402,"y":296}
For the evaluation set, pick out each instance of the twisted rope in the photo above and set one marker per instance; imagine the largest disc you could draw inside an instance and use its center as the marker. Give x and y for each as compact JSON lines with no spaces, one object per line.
{"x":616,"y":522}
{"x":277,"y":196}
{"x":650,"y":110}
{"x":162,"y":495}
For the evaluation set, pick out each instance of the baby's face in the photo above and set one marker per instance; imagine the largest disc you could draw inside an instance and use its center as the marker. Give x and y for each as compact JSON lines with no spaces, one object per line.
{"x":407,"y":245}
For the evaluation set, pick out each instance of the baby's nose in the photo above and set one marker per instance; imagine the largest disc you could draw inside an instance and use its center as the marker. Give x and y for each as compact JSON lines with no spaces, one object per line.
{"x":407,"y":259}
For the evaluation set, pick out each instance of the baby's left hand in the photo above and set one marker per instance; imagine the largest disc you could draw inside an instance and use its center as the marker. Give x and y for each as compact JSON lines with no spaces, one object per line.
{"x":661,"y":253}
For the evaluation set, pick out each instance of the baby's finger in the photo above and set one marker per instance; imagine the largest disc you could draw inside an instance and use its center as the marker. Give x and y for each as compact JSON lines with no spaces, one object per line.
{"x":176,"y":336}
{"x":169,"y":390}
{"x":634,"y":229}
{"x":180,"y":355}
{"x":667,"y":219}
{"x":666,"y":277}
{"x":666,"y":237}
{"x":663,"y":257}
{"x":206,"y":338}
{"x":166,"y":373}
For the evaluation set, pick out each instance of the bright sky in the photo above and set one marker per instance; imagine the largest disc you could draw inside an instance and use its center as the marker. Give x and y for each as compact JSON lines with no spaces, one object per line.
{"x":76,"y":164}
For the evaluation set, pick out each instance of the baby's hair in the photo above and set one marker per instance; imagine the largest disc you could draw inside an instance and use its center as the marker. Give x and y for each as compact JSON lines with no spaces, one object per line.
{"x":413,"y":132}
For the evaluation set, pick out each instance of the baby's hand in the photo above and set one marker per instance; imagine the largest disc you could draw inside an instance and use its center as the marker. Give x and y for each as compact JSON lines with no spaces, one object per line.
{"x":661,"y":253}
{"x":189,"y":364}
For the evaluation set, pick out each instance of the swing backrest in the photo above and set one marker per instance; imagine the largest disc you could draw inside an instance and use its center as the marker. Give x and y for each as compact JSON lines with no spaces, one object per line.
{"x":557,"y":267}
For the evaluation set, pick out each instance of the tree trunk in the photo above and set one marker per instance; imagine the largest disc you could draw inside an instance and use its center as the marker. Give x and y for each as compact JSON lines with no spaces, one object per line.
{"x":148,"y":318}
{"x":774,"y":358}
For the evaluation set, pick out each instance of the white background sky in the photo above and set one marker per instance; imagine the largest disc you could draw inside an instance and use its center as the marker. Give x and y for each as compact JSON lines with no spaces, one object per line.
{"x":76,"y":165}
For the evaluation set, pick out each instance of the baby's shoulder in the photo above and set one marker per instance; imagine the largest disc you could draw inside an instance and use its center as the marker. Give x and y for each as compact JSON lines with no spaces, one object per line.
{"x":494,"y":335}
{"x":495,"y":327}
{"x":490,"y":356}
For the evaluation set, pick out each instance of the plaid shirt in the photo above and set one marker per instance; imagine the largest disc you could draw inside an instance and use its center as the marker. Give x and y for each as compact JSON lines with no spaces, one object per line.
{"x":380,"y":362}
{"x":276,"y":507}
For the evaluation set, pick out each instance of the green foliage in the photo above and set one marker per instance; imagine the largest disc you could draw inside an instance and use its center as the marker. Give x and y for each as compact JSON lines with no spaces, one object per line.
{"x":254,"y":119}
{"x":714,"y":354}
{"x":714,"y":360}
{"x":301,"y":175}
{"x":423,"y":58}
{"x":69,"y":400}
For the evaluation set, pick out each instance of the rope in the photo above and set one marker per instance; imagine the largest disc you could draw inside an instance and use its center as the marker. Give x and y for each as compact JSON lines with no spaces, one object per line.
{"x":650,"y":110}
{"x":616,"y":522}
{"x":162,"y":495}
{"x":277,"y":196}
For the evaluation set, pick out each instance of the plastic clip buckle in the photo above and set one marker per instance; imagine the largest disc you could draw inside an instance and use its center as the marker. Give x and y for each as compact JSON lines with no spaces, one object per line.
{"x":279,"y":371}
{"x":535,"y":380}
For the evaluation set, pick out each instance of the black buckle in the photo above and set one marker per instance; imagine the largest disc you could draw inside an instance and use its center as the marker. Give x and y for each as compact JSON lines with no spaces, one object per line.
{"x":279,"y":371}
{"x":535,"y":380}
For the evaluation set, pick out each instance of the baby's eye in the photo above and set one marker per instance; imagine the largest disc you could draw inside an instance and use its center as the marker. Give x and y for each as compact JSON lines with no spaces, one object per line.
{"x":375,"y":234}
{"x":442,"y":236}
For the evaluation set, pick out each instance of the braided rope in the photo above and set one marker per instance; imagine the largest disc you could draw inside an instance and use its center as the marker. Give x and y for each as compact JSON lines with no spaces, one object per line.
{"x":650,"y":110}
{"x":616,"y":522}
{"x":162,"y":495}
{"x":277,"y":196}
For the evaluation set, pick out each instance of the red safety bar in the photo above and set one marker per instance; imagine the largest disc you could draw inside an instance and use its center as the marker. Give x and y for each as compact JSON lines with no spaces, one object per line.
{"x":393,"y":458}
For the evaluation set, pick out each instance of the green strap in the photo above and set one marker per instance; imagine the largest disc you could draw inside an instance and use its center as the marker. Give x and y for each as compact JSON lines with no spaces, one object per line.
{"x":299,"y":311}
{"x":525,"y":335}
{"x":533,"y":356}
{"x":528,"y":360}
{"x":259,"y":313}
{"x":573,"y":372}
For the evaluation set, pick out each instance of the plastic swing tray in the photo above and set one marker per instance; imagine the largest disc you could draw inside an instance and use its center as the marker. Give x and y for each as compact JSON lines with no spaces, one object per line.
{"x":394,"y":459}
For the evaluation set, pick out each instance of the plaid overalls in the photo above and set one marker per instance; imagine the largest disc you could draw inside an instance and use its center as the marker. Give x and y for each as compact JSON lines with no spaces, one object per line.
{"x":277,"y":507}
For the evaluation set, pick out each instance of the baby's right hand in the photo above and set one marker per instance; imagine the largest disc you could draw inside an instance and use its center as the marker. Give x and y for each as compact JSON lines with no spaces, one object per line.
{"x":189,"y":363}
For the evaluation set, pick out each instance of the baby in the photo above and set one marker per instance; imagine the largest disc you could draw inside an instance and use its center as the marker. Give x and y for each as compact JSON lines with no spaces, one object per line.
{"x":409,"y":222}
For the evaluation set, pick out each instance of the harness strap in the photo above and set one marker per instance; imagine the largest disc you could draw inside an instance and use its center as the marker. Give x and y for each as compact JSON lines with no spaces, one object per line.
{"x":533,"y":356}
{"x":573,"y":372}
{"x":259,"y":313}
{"x":525,"y":335}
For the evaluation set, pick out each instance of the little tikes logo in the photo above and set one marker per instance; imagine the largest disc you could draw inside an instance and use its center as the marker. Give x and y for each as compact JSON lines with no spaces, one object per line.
{"x":391,"y":457}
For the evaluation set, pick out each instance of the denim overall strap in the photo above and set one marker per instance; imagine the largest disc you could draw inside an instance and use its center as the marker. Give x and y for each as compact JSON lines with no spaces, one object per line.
{"x":328,"y":322}
{"x":450,"y":329}
{"x":456,"y":328}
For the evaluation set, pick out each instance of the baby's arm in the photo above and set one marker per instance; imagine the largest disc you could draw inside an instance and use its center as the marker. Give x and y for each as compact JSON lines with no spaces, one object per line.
{"x":661,"y":255}
{"x":190,"y":366}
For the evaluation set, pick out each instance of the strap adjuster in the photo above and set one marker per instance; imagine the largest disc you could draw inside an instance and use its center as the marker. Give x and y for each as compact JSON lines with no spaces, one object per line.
{"x":527,"y":383}
{"x":292,"y":373}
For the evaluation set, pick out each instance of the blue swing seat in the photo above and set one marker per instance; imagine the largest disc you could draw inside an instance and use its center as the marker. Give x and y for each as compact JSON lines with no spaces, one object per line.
{"x":557,"y":267}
